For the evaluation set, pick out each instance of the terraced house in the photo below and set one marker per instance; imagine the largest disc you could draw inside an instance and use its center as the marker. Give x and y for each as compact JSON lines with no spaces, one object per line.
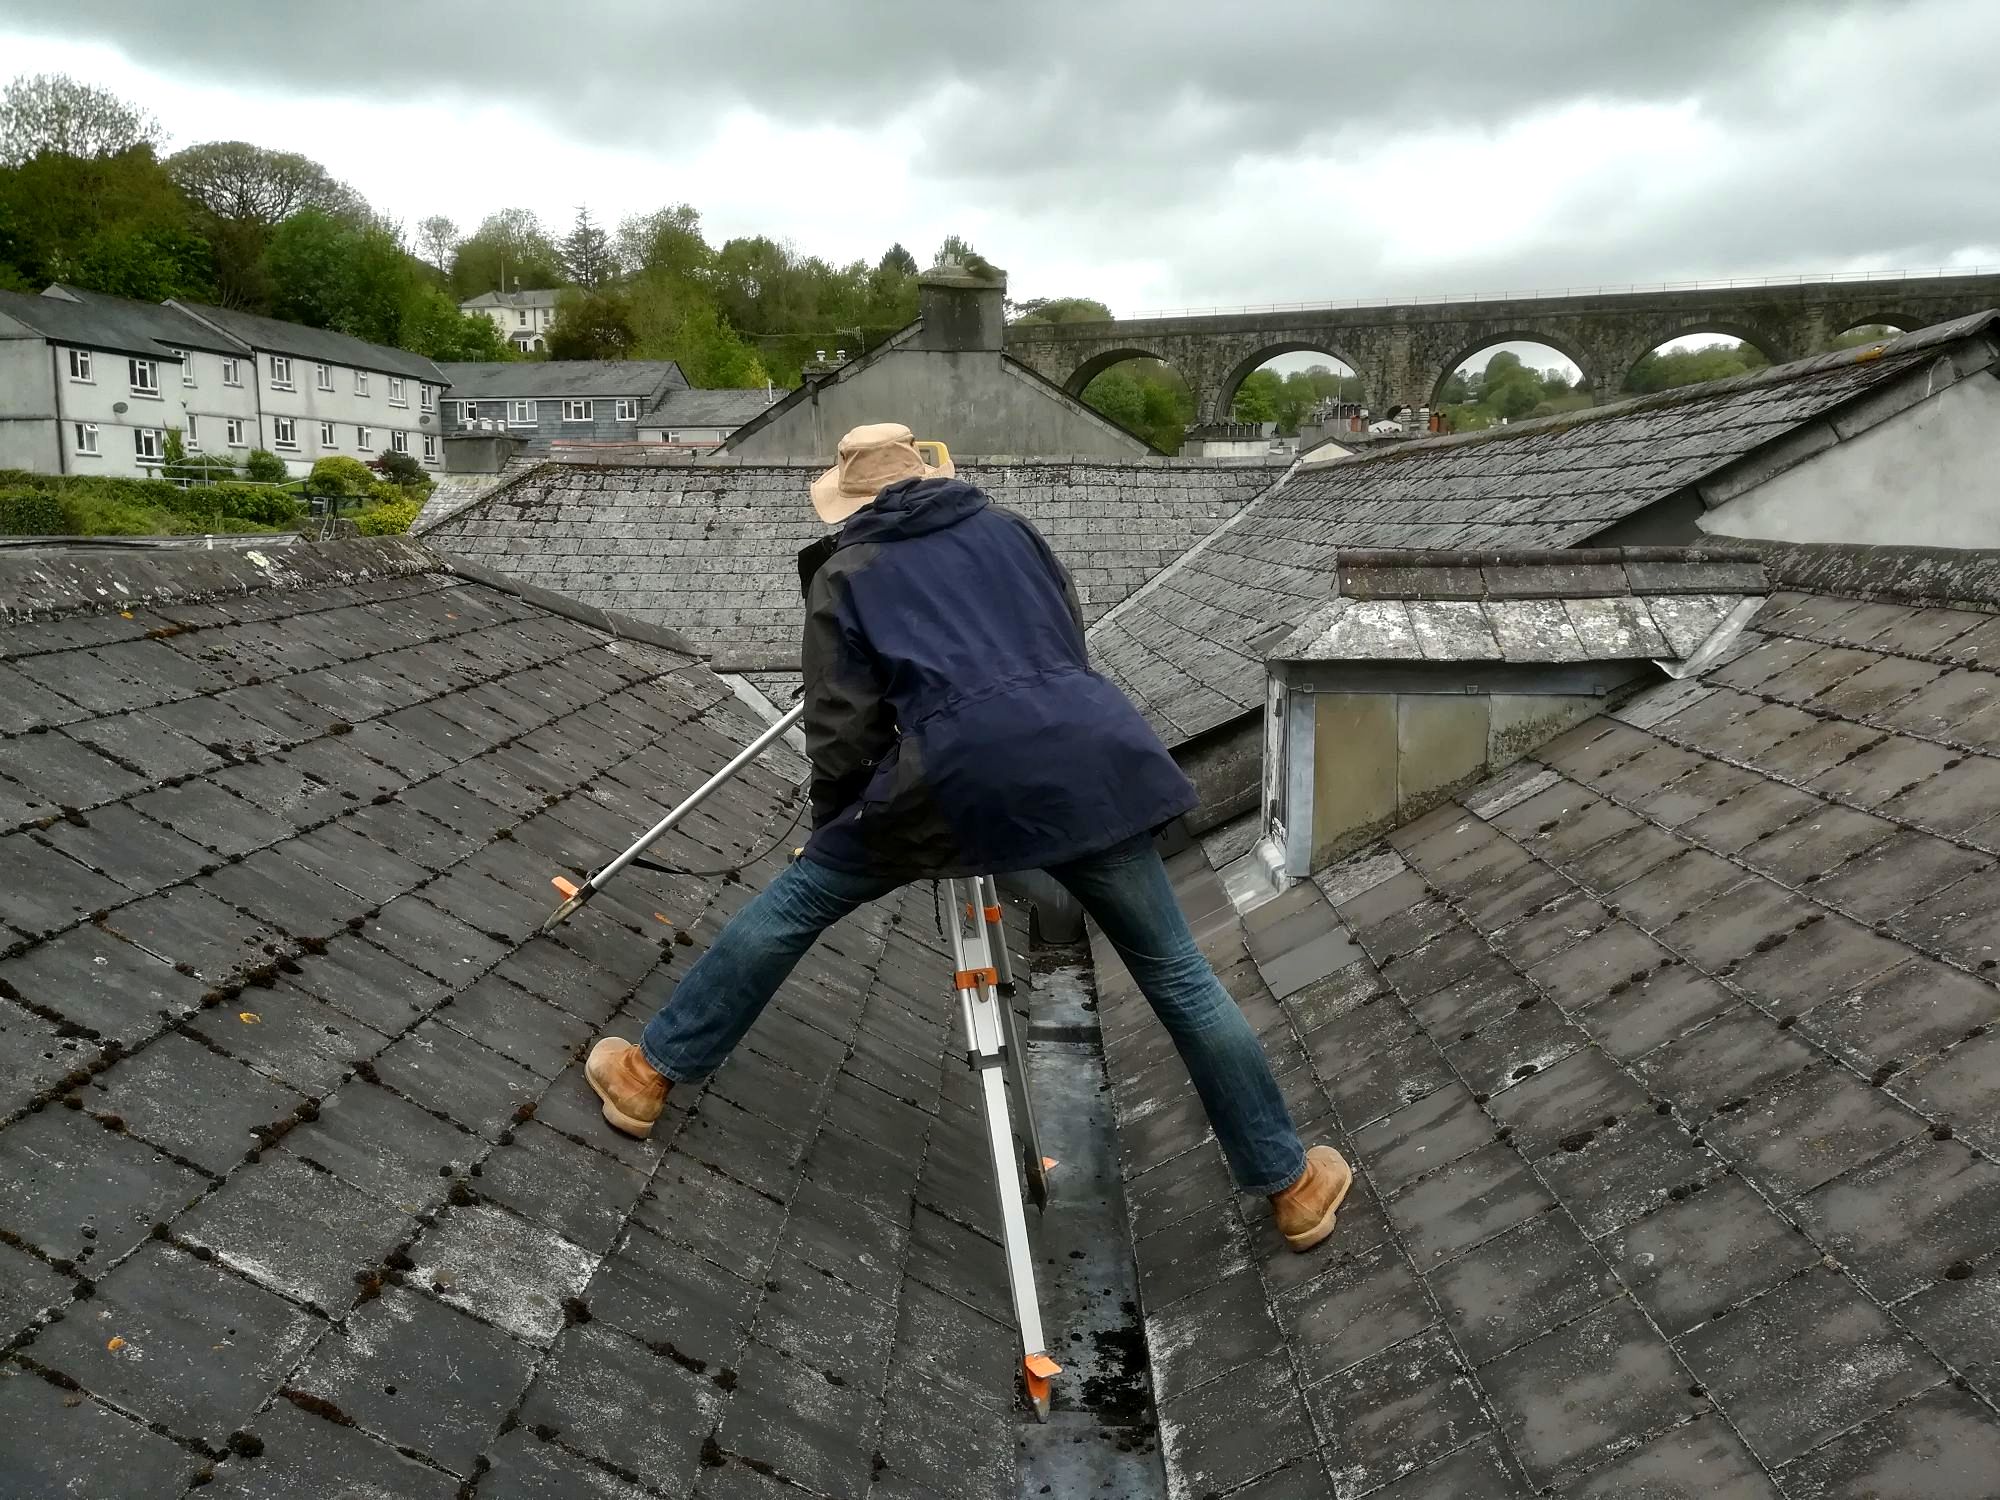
{"x":543,"y":402}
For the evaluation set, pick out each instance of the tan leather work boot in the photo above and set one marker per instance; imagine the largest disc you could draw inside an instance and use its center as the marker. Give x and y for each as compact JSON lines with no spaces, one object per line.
{"x":632,"y":1092}
{"x":1306,"y":1209}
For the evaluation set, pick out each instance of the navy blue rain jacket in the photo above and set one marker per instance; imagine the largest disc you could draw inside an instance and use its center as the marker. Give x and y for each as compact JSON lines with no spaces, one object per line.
{"x":953,"y":721}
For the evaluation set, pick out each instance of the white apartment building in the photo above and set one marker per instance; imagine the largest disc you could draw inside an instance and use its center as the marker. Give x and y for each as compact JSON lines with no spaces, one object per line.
{"x":92,"y":384}
{"x":523,"y":318}
{"x":322,"y":393}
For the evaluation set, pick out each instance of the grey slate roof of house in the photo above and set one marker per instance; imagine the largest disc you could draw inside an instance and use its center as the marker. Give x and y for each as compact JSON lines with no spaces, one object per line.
{"x":535,"y":297}
{"x":1188,"y":650}
{"x":554,"y":379}
{"x":708,"y":548}
{"x":300,"y":1183}
{"x":110,"y":323}
{"x":704,"y":408}
{"x":168,"y":327}
{"x":322,"y":344}
{"x":1668,"y":1063}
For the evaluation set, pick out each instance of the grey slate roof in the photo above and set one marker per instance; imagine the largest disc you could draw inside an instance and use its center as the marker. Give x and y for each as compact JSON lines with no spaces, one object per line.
{"x":1594,"y":604}
{"x":301,"y":1190}
{"x":534,"y":297}
{"x":321,"y":344}
{"x":708,"y":548}
{"x":554,"y":379}
{"x":1667,"y":1060}
{"x":110,"y":323}
{"x":706,"y":408}
{"x":1187,"y":650}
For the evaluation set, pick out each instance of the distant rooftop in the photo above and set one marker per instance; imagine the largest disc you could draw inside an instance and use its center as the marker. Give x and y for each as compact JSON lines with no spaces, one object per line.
{"x":551,"y":379}
{"x":1185,"y":649}
{"x":535,"y":297}
{"x":321,"y":344}
{"x":679,"y":407}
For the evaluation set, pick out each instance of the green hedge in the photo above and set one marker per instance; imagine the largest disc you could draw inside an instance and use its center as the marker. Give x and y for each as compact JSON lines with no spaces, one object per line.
{"x":91,"y":505}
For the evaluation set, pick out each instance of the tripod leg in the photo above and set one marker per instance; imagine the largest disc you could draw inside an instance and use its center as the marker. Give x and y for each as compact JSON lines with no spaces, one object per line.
{"x":1035,"y":1165}
{"x":986,"y":1050}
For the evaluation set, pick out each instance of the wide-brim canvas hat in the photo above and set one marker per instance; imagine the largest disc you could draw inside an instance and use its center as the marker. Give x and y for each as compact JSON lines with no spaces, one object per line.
{"x":871,"y":458}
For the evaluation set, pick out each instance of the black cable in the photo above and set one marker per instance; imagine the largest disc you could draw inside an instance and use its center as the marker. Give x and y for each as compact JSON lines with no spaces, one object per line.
{"x":737,"y":868}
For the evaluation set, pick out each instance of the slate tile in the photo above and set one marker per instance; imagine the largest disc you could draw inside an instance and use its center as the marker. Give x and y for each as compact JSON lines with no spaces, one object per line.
{"x":551,"y":972}
{"x":607,"y":1395}
{"x":1223,"y":1435}
{"x":697,"y":1206}
{"x":935,"y":1443}
{"x":1957,"y":1319}
{"x":1187,"y":1257}
{"x":295,"y":1229}
{"x":384,"y":1145}
{"x":57,"y":771}
{"x":1625,"y":1171}
{"x":1701,"y":1460}
{"x":177,"y":1094}
{"x":570,"y":1106}
{"x":136,"y":852}
{"x":1404,"y":1408}
{"x":949,"y":1257}
{"x":420,"y":1375}
{"x":442,"y":1069}
{"x":368,"y":984}
{"x":1825,"y":957}
{"x":1697,"y":1256}
{"x":582,"y":1194}
{"x":1518,"y":1285}
{"x":208,"y":815}
{"x":1740,"y":1054}
{"x":513,"y":1274}
{"x":1478,"y":999}
{"x":1291,"y":971}
{"x":71,"y":1174}
{"x":340,"y":854}
{"x":749,"y":1148}
{"x":1942,"y":1446}
{"x":1671,"y":890}
{"x":1805,"y":1361}
{"x":526,"y":1468}
{"x":1420,"y":1137}
{"x":46,"y":891}
{"x":202,"y":1347}
{"x":1205,"y":1336}
{"x":1907,"y":1217}
{"x":665,"y":1295}
{"x":414,"y":931}
{"x":290,"y":1037}
{"x":82,"y":1447}
{"x":1815,"y":1127}
{"x":1896,"y":875}
{"x":1475,"y":1469}
{"x":1472,"y":1199}
{"x":1564,"y":1103}
{"x":29,"y":1288}
{"x":809,"y":1429}
{"x":283,"y":893}
{"x":1641,"y":1014}
{"x":1519,"y":1045}
{"x":105,"y":985}
{"x":1379,"y":1085}
{"x":34,"y":1057}
{"x":819,"y":1319}
{"x":1960,"y":1089}
{"x":185,"y":925}
{"x":1364,"y":1304}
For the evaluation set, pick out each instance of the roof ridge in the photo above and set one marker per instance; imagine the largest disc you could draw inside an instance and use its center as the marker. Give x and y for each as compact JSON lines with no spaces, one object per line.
{"x":1955,"y":577}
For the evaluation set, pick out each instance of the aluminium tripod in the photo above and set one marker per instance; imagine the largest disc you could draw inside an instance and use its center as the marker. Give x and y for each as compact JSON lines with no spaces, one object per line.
{"x":984,"y":978}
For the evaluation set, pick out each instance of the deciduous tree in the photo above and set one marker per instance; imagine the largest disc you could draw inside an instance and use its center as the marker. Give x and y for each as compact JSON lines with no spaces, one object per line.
{"x":237,"y":181}
{"x":511,"y":242}
{"x":54,"y":112}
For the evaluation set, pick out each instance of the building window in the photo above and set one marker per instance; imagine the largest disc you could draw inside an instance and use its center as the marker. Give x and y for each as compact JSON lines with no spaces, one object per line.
{"x":145,"y":377}
{"x":628,"y":409}
{"x":323,"y":377}
{"x":235,"y":432}
{"x":284,"y":432}
{"x":232,"y":372}
{"x":396,"y":397}
{"x":577,"y":411}
{"x":86,"y":439}
{"x":468,"y":412}
{"x":79,"y":368}
{"x":193,"y":432}
{"x":326,"y":435}
{"x":521,"y":413}
{"x":364,"y":439}
{"x":281,"y":372}
{"x":429,"y":396}
{"x":187,"y":366}
{"x":399,"y":440}
{"x":360,"y":382}
{"x":430,"y":447}
{"x":523,"y":316}
{"x":147,"y":442}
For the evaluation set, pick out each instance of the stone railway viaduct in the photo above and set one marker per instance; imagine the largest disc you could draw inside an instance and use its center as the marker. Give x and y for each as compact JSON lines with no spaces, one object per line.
{"x":1404,"y":352}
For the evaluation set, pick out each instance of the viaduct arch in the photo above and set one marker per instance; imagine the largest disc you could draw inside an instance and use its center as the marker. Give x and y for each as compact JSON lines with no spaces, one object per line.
{"x":1403,"y":352}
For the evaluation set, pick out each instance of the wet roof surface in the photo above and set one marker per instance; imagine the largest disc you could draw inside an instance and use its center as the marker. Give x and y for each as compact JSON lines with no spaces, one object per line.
{"x":301,"y":1189}
{"x":1669,"y":1067}
{"x":1189,"y":650}
{"x":709,"y":549}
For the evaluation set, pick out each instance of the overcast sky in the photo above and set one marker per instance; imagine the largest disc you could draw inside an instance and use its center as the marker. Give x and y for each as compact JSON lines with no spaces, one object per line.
{"x":1157,"y":155}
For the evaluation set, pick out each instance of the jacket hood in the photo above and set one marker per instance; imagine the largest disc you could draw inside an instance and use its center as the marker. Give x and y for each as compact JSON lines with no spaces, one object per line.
{"x":913,"y":508}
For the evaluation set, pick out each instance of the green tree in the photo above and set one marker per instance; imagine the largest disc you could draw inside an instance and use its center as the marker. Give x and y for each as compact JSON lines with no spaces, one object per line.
{"x":437,"y":238}
{"x":1257,"y":398}
{"x":1061,"y":310}
{"x":586,"y":253}
{"x":591,"y":325}
{"x":334,"y":273}
{"x":665,"y":243}
{"x":433,"y":326}
{"x":1660,"y":371}
{"x":1146,"y":398}
{"x":512,"y":243}
{"x":54,"y":113}
{"x":265,"y":467}
{"x":241,"y":183}
{"x":899,"y":260}
{"x":113,"y":223}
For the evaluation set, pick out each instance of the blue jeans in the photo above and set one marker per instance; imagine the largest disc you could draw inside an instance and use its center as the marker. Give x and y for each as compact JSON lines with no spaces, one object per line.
{"x":1127,"y":893}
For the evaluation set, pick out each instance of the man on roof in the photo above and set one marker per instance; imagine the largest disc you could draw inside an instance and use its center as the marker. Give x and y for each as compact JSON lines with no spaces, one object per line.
{"x":955,"y":728}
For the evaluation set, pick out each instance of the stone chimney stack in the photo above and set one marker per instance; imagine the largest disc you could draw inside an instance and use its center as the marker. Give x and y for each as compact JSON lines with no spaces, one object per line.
{"x":963,"y":310}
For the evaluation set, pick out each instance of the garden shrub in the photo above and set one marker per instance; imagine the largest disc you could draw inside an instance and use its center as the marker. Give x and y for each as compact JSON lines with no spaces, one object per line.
{"x":266,"y":467}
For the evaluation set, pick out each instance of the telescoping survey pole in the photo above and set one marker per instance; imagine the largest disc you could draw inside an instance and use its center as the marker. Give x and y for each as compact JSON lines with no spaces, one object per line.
{"x":576,"y":895}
